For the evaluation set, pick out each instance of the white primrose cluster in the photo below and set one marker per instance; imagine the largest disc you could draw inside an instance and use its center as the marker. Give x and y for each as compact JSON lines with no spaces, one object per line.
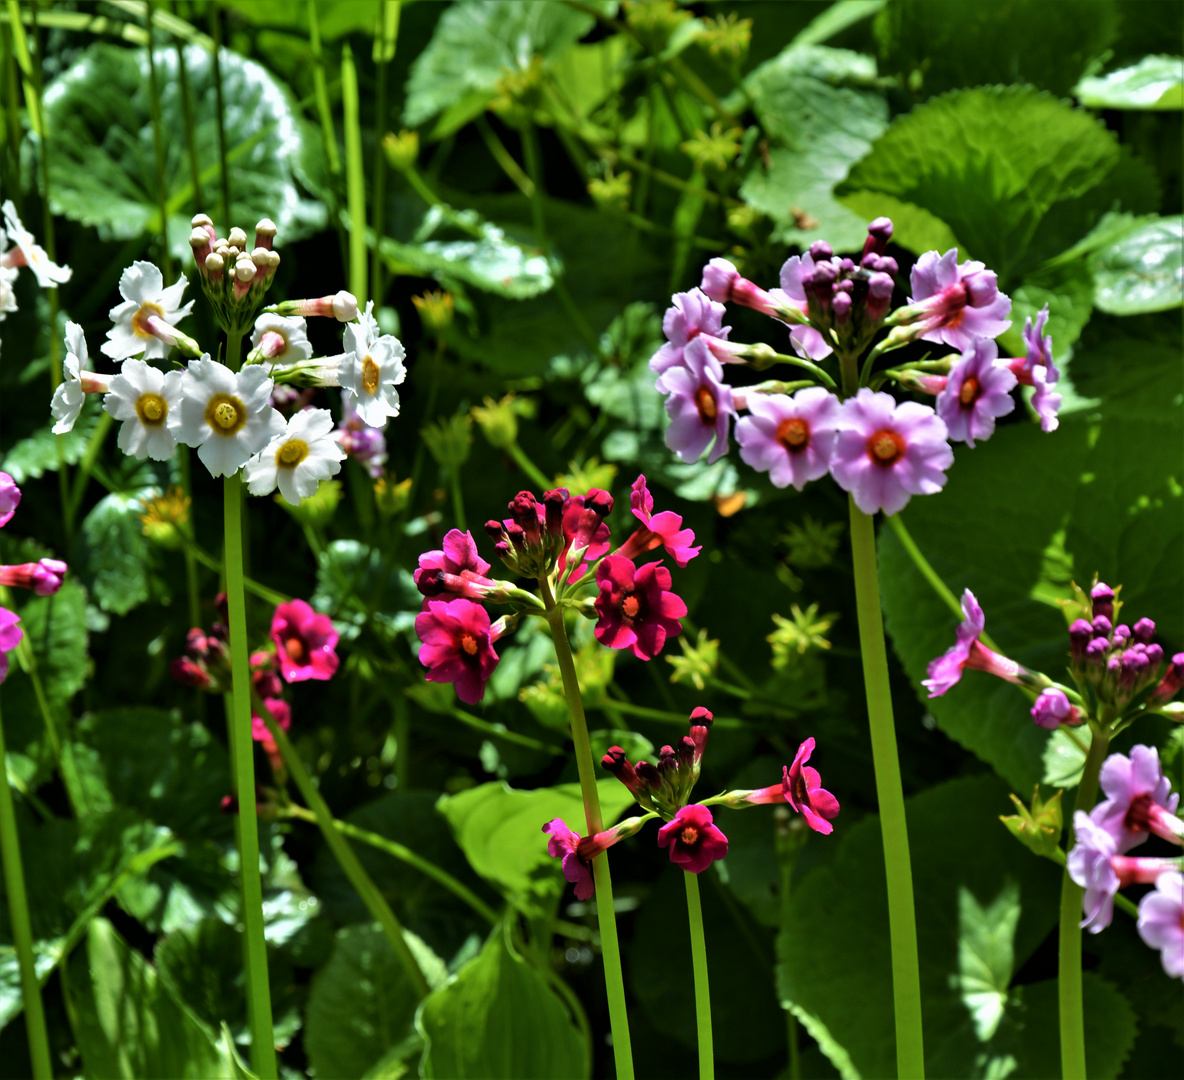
{"x":228,"y":415}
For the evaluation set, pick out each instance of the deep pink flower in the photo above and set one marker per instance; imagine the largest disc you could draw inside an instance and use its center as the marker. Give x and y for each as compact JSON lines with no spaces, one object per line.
{"x":699,"y":404}
{"x":691,"y":314}
{"x":803,"y":790}
{"x":10,"y":638}
{"x":304,"y":641}
{"x":968,"y":652}
{"x":658,"y":530}
{"x":1161,"y":922}
{"x":723,"y":283}
{"x":885,"y":453}
{"x":265,"y":680}
{"x":10,"y":498}
{"x":43,"y":577}
{"x":635,"y":607}
{"x":694,"y":841}
{"x":1052,"y":709}
{"x":1089,"y":867}
{"x":790,"y":438}
{"x":456,"y":569}
{"x":978,"y":390}
{"x":563,"y":844}
{"x":961,"y":301}
{"x":584,"y":527}
{"x":189,"y":672}
{"x":281,"y":713}
{"x":1139,"y":799}
{"x":457,"y":646}
{"x":806,"y":340}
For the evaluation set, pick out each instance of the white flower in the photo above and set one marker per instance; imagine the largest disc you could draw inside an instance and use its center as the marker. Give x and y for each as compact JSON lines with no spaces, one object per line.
{"x":7,"y":280}
{"x":298,"y":459}
{"x":370,"y":372}
{"x":144,"y":295}
{"x":226,"y":415}
{"x":280,"y":339}
{"x":143,"y":397}
{"x":76,"y":382}
{"x":29,"y":253}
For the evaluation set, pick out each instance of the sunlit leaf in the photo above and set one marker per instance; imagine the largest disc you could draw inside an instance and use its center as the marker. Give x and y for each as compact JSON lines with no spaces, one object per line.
{"x":1155,"y":82}
{"x":1142,"y":271}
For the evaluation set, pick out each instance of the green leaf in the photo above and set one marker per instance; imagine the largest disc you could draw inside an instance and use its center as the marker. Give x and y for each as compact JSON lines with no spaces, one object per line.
{"x":500,"y":829}
{"x":814,"y":101}
{"x":912,"y":228}
{"x":44,"y":451}
{"x":986,"y":955}
{"x":127,"y":1024}
{"x":498,"y":1018}
{"x":1131,"y":374}
{"x":840,"y":16}
{"x":1155,"y":82}
{"x":471,"y":250}
{"x":475,"y":45}
{"x":938,"y":45}
{"x":335,"y":17}
{"x":1064,"y":760}
{"x":1143,"y":271}
{"x":362,"y":1003}
{"x":102,"y":160}
{"x":991,"y":163}
{"x":55,"y":626}
{"x":115,"y":554}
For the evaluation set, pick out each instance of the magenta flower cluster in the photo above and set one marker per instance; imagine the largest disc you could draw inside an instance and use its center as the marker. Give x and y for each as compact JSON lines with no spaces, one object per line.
{"x":564,"y":542}
{"x":1139,"y":802}
{"x":881,"y":451}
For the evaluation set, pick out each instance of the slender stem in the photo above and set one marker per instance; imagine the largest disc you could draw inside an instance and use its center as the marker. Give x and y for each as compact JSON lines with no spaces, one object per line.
{"x":504,"y":158}
{"x":605,"y":914}
{"x":806,"y":365}
{"x":537,"y":476}
{"x":187,"y":120}
{"x":902,"y":921}
{"x":931,"y":575}
{"x":27,"y":660}
{"x":158,"y":152}
{"x":384,"y":52}
{"x":22,"y":930}
{"x":702,"y":990}
{"x":1072,"y":1016}
{"x":253,"y":587}
{"x":255,"y":948}
{"x":358,"y":878}
{"x":354,"y":182}
{"x":223,"y":172}
{"x":90,"y":456}
{"x":322,"y":90}
{"x":404,"y":854}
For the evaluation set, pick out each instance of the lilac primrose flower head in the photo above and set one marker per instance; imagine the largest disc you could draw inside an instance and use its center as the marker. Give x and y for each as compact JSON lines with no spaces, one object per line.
{"x":963,"y":301}
{"x":790,"y":438}
{"x":1132,"y":786}
{"x":699,"y":404}
{"x":691,"y":314}
{"x":806,"y":340}
{"x":978,"y":391}
{"x":1161,"y":922}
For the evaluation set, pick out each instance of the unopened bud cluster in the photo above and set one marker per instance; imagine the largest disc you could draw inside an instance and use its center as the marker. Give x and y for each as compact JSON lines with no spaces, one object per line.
{"x":665,"y":787}
{"x":233,"y":275}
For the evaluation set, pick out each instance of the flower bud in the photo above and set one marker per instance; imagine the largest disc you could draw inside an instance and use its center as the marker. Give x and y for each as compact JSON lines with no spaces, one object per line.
{"x":1144,"y":631}
{"x":237,"y":238}
{"x":264,"y":234}
{"x":820,"y":250}
{"x":1103,"y":600}
{"x":1101,"y":626}
{"x":345,"y":306}
{"x":878,"y":234}
{"x":244,"y":269}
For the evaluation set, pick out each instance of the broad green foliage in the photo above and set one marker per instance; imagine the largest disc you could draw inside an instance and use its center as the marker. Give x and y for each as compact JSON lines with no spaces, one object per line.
{"x":102,"y":164}
{"x":500,"y":830}
{"x":116,"y":556}
{"x":362,"y":1004}
{"x":44,"y":451}
{"x":498,"y":1017}
{"x":1155,"y":82}
{"x":833,"y":947}
{"x":1143,"y":271}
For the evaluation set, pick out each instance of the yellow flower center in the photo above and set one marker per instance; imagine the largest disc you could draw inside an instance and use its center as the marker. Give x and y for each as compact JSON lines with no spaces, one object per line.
{"x":225,"y":414}
{"x":370,"y":375}
{"x":151,"y":409}
{"x":141,"y":317}
{"x":291,"y":454}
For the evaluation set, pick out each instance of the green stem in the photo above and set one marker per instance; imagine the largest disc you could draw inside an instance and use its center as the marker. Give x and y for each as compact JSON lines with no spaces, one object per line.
{"x":223,"y":171}
{"x":806,"y":365}
{"x":158,"y":151}
{"x":503,"y":157}
{"x":187,"y":120}
{"x":90,"y":456}
{"x":384,"y":53}
{"x":902,"y":922}
{"x":255,"y":948}
{"x":354,"y":182}
{"x":22,"y":930}
{"x":614,"y":981}
{"x":358,"y":878}
{"x":1072,"y":1016}
{"x":321,"y":90}
{"x":404,"y":854}
{"x":537,"y":476}
{"x":702,"y":990}
{"x":931,"y":575}
{"x":253,"y":587}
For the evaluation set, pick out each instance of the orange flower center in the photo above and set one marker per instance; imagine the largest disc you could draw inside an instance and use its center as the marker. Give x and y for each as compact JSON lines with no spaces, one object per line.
{"x":689,"y":835}
{"x":886,"y":447}
{"x":970,"y":391}
{"x":793,"y":434}
{"x":152,"y":409}
{"x":141,"y":317}
{"x":296,"y":651}
{"x":630,"y":606}
{"x":469,"y":644}
{"x":705,"y":400}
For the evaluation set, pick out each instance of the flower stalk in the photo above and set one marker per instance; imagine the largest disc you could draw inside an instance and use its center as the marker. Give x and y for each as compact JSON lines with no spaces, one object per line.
{"x":606,"y":916}
{"x":702,"y":990}
{"x":22,"y":932}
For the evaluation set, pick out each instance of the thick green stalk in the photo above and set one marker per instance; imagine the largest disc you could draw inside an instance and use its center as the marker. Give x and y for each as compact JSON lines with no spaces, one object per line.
{"x":404,"y":854}
{"x":22,"y":930}
{"x":355,"y":186}
{"x":902,"y":921}
{"x":321,"y":90}
{"x":614,"y":980}
{"x":358,"y":878}
{"x":1072,"y":1016}
{"x":702,"y":990}
{"x":384,"y":53}
{"x":254,"y":946}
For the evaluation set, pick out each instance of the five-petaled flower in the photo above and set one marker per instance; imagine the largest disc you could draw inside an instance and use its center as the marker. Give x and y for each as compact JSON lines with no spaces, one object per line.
{"x":695,"y":842}
{"x":457,"y":646}
{"x":790,"y":438}
{"x":148,"y":312}
{"x":635,"y":606}
{"x":305,"y":642}
{"x":803,"y":790}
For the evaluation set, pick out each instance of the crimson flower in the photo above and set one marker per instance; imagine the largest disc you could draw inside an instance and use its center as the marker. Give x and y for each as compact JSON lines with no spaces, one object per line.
{"x":635,"y":607}
{"x":305,"y":642}
{"x":458,"y":558}
{"x":564,"y":845}
{"x":457,"y":646}
{"x":803,"y":790}
{"x":694,"y":842}
{"x":658,"y":530}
